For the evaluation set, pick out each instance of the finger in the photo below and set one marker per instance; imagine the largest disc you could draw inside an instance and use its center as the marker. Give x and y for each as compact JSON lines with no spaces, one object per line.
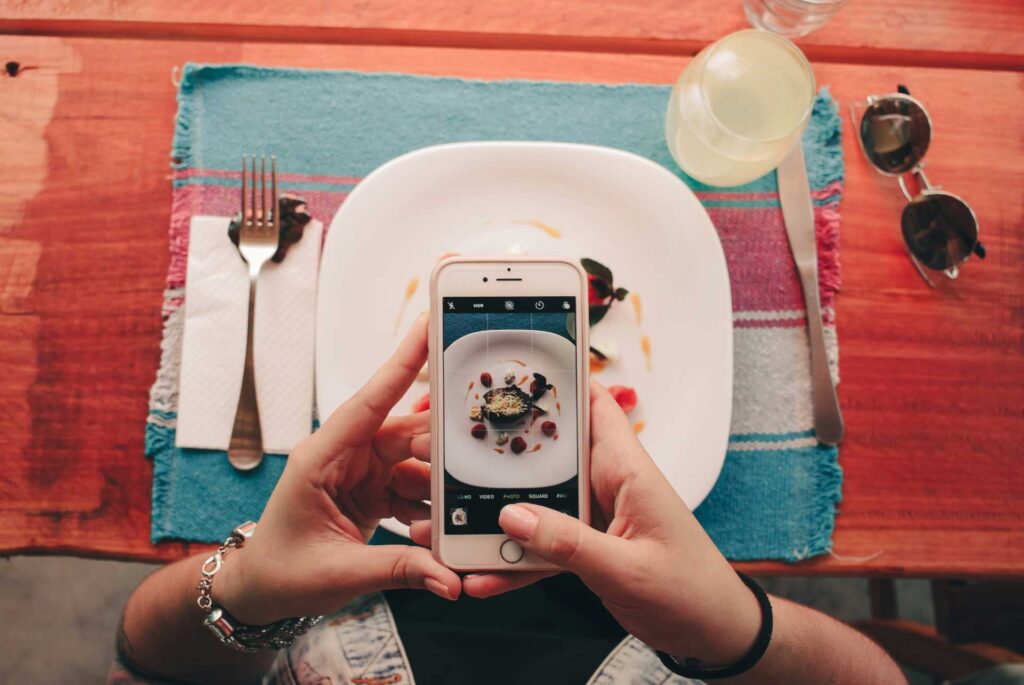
{"x":392,"y":442}
{"x":408,"y":511}
{"x":357,"y":420}
{"x":607,"y":420}
{"x":419,"y":447}
{"x":410,"y":479}
{"x":419,"y":532}
{"x":483,"y":585}
{"x":386,"y":567}
{"x":563,"y":540}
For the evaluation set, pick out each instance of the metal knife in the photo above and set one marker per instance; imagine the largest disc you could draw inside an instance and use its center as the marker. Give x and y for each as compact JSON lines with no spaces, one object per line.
{"x":795,"y":195}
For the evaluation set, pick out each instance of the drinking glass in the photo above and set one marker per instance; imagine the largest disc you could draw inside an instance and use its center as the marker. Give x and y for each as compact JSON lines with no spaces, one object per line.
{"x":791,"y":17}
{"x":739,"y":107}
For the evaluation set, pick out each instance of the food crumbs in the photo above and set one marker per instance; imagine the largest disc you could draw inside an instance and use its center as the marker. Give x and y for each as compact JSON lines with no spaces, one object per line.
{"x":645,"y":345}
{"x":468,"y":391}
{"x":550,"y":230}
{"x":638,"y":307}
{"x":476,"y":396}
{"x":638,"y":426}
{"x":410,"y":290}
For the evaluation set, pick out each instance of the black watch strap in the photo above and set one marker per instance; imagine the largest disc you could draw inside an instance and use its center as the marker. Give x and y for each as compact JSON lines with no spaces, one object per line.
{"x":690,"y":667}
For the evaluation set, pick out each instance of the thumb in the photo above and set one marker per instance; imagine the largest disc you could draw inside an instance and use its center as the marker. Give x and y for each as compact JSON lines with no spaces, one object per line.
{"x":388,"y":567}
{"x":561,"y":540}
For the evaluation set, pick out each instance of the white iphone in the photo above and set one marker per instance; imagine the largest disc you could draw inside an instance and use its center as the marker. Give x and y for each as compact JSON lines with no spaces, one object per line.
{"x":509,"y":402}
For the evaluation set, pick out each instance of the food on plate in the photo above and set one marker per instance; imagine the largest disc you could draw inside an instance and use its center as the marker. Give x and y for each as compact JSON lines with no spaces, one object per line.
{"x":601,"y":290}
{"x":486,"y":380}
{"x":500,"y":438}
{"x":549,"y":428}
{"x":538,"y":386}
{"x":506,"y":405}
{"x":476,"y":414}
{"x":518,"y":445}
{"x":422,"y":404}
{"x":626,"y":397}
{"x":510,"y":377}
{"x":550,"y":230}
{"x":638,"y":307}
{"x":645,"y":345}
{"x":410,"y":289}
{"x":478,"y":431}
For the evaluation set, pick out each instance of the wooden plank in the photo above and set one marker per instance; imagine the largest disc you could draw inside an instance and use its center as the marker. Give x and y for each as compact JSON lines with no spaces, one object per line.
{"x":932,"y":380}
{"x":982,"y":34}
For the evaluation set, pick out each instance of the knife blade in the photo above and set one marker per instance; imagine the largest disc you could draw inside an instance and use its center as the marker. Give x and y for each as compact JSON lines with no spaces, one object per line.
{"x":798,"y":213}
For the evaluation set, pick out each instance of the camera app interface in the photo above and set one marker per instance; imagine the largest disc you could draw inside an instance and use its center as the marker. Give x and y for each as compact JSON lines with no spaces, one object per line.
{"x":510,"y":408}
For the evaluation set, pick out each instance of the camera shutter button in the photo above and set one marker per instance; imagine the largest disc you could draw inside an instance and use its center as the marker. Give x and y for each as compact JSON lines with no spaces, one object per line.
{"x":511,"y":551}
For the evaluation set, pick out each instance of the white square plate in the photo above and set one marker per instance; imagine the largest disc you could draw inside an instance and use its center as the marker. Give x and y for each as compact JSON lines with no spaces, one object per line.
{"x":557,"y":199}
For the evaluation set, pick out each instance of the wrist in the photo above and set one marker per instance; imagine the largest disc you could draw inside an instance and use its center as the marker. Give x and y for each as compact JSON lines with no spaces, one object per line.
{"x":730,"y":630}
{"x":234,"y":591}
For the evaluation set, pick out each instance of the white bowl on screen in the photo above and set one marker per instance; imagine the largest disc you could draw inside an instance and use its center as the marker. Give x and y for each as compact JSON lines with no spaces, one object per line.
{"x":495,"y":198}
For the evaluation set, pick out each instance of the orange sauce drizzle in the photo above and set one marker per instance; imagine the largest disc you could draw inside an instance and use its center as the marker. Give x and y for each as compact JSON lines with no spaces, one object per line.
{"x":638,"y":426}
{"x":638,"y":307}
{"x":558,"y":406}
{"x":523,"y":380}
{"x":471,"y":383}
{"x":410,"y":290}
{"x":550,"y":230}
{"x":645,"y":345}
{"x":476,"y":396}
{"x":554,"y":391}
{"x":536,"y":448}
{"x":499,"y":450}
{"x":516,"y":361}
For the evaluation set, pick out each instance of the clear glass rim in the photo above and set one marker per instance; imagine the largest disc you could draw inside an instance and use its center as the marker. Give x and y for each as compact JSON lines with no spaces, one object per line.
{"x":782,"y":42}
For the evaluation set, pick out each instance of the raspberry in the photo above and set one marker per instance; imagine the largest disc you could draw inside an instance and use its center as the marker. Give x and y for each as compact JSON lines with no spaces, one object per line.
{"x":548,"y":428}
{"x":518,"y":444}
{"x":478,"y":431}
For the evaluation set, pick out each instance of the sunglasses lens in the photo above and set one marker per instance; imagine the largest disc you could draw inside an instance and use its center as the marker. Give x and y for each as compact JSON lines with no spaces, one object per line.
{"x":940,"y":230}
{"x":895,"y":132}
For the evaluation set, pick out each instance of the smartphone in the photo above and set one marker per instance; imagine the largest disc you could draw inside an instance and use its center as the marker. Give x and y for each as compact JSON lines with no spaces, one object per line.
{"x":509,"y":402}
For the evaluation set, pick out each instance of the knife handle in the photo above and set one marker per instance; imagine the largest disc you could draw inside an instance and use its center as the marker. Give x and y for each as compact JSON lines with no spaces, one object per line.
{"x":828,"y":419}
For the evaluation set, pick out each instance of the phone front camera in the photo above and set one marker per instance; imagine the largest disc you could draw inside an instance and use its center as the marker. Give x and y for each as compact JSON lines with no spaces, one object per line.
{"x":485,"y":279}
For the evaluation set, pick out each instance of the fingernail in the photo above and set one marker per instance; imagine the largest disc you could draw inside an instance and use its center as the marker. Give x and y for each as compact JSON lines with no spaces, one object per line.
{"x":518,"y":522}
{"x":437,"y":587}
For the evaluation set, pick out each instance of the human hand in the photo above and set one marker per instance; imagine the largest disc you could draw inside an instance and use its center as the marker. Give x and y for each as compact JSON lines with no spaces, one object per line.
{"x":654,"y":567}
{"x":309,"y":554}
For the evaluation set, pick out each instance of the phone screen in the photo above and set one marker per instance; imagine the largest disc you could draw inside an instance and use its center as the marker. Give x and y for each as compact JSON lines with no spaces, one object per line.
{"x":510,"y":408}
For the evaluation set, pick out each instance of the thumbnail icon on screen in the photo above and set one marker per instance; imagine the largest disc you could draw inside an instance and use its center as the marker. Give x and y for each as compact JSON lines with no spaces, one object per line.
{"x":459,"y":517}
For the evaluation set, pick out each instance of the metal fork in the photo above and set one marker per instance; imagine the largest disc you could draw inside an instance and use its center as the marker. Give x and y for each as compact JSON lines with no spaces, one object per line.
{"x":258,"y":238}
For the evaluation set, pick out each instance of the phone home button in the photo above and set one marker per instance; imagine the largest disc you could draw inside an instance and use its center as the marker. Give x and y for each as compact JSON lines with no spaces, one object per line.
{"x":511,"y":551}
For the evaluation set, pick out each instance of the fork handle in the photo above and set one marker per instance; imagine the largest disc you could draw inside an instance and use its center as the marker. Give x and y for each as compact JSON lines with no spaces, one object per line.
{"x":245,"y":451}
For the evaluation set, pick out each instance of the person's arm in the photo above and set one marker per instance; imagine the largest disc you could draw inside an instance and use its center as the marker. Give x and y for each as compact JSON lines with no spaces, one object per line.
{"x":662,"y":577}
{"x":162,"y":636}
{"x":308,"y":555}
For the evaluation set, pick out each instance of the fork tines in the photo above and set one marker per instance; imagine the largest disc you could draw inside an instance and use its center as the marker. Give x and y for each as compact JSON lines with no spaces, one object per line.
{"x":255,"y":214}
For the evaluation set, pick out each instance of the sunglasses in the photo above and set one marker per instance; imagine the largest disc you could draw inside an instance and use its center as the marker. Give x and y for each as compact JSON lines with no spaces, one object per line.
{"x":939,"y":228}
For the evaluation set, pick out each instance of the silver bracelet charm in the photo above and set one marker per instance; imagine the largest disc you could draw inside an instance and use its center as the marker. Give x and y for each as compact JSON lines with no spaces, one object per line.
{"x":228,"y":630}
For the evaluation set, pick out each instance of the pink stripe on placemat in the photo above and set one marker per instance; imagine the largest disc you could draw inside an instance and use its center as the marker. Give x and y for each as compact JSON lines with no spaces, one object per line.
{"x":281,"y":176}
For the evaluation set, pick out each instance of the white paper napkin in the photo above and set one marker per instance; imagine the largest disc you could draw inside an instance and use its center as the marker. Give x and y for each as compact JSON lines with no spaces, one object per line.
{"x":213,"y":348}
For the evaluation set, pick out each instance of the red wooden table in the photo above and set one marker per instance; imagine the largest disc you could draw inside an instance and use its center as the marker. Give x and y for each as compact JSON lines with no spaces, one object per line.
{"x":933,"y":381}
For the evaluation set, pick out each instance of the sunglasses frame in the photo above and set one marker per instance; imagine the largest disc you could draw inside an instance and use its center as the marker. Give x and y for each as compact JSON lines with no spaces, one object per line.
{"x":926,"y":189}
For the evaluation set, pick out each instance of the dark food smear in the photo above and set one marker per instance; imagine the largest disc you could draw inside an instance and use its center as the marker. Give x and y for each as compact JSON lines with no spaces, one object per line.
{"x":294,"y":217}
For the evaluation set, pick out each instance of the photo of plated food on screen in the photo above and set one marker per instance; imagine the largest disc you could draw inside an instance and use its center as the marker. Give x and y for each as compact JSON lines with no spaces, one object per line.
{"x":510,"y":406}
